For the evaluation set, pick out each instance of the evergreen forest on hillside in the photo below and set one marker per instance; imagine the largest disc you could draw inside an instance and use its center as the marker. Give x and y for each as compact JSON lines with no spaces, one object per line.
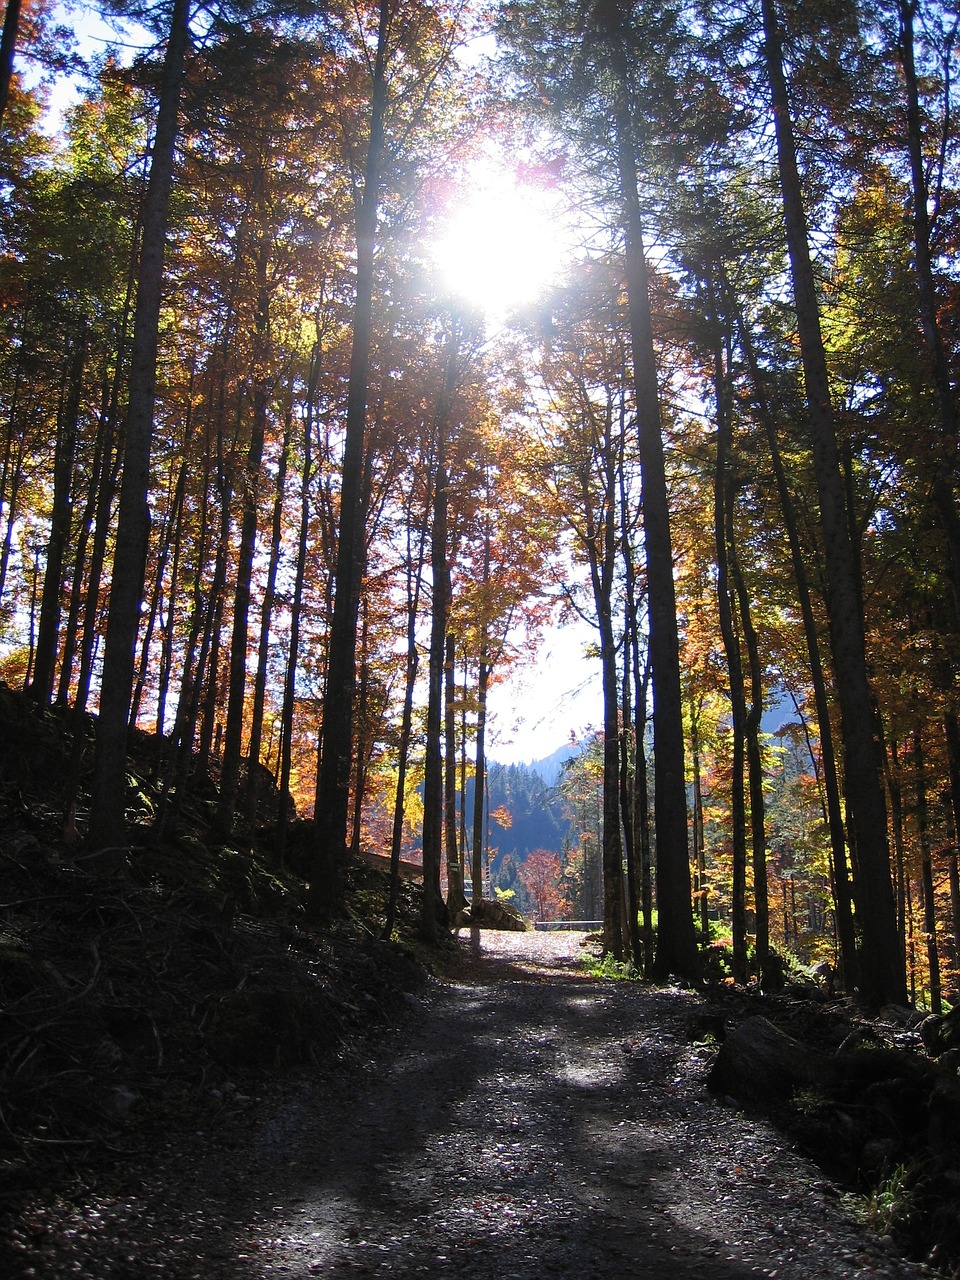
{"x":285,"y":491}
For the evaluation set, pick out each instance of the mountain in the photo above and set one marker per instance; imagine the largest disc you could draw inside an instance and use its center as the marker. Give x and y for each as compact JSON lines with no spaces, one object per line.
{"x":550,"y":767}
{"x":537,"y":818}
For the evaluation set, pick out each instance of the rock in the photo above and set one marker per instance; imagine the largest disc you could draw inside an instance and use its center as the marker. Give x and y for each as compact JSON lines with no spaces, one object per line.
{"x":855,"y":1040}
{"x":950,"y":1030}
{"x":930,"y":1030}
{"x":120,"y":1101}
{"x":857,"y":1069}
{"x":897,"y":1014}
{"x":758,"y":1063}
{"x":489,"y":914}
{"x":944,"y":1113}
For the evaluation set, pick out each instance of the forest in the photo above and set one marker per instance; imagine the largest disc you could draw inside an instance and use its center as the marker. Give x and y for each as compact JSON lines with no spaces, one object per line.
{"x":278,"y":493}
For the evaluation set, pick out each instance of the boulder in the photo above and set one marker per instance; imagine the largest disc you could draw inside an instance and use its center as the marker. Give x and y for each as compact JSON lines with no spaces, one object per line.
{"x":494,"y":914}
{"x":758,"y":1063}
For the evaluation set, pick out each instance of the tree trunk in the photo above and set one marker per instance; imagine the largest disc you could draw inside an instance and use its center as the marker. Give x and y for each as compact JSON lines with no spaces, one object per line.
{"x":951,"y":726}
{"x":433,"y":766}
{"x":601,"y":550}
{"x":881,"y":970}
{"x":722,"y":499}
{"x":100,"y":466}
{"x":943,"y":485}
{"x":288,"y":712}
{"x":250,"y":504}
{"x":631,"y":897}
{"x":252,"y":798}
{"x":699,"y":848}
{"x":456,"y":898}
{"x":51,"y":604}
{"x":333,"y":784}
{"x":676,"y":938}
{"x":926,"y":874}
{"x":414,"y":583}
{"x":480,"y":774}
{"x":769,"y":977}
{"x":8,"y":48}
{"x":107,"y":817}
{"x":361,"y":721}
{"x":846,"y":934}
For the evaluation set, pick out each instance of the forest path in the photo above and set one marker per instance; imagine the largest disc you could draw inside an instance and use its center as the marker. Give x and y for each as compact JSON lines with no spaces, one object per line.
{"x":525,"y":1122}
{"x":531,"y":1123}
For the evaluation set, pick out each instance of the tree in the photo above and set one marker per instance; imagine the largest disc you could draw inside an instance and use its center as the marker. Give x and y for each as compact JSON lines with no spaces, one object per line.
{"x":881,"y":970}
{"x":676,"y":940}
{"x":419,"y":44}
{"x":541,"y":876}
{"x":107,"y":817}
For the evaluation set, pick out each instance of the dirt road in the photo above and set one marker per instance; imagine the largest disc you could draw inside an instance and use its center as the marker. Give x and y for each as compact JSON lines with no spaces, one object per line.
{"x":527,"y":1123}
{"x":541,"y":1124}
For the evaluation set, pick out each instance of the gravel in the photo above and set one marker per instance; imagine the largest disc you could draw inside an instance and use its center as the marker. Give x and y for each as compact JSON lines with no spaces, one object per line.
{"x":526,"y":1121}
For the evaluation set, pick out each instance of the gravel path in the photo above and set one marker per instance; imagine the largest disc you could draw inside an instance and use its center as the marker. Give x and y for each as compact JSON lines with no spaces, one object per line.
{"x":528,"y":1123}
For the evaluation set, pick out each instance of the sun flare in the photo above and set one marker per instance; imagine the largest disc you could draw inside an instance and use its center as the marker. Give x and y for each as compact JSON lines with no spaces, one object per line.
{"x":503,"y":243}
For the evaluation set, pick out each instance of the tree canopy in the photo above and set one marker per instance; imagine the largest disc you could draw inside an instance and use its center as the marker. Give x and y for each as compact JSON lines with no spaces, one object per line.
{"x":276,"y":487}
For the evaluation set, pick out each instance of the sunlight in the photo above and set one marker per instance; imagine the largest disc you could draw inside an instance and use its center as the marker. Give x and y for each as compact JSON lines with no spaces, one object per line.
{"x":504,"y":241}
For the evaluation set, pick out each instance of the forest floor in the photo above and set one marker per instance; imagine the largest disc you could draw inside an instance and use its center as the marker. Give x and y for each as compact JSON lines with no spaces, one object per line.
{"x":522,"y":1119}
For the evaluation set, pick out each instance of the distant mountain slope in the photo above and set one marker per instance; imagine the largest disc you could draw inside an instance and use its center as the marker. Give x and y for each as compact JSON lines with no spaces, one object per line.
{"x":536,"y":811}
{"x":550,"y":767}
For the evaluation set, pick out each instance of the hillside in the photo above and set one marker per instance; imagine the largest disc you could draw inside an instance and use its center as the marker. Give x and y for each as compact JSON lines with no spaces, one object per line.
{"x":535,"y":810}
{"x":167,"y":997}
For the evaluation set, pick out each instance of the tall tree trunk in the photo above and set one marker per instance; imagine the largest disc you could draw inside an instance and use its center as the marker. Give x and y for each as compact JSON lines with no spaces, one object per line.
{"x":631,"y":895}
{"x":881,"y":970}
{"x":433,"y":765}
{"x":107,"y":816}
{"x":414,"y":577}
{"x":722,"y":499}
{"x":10,"y":485}
{"x":362,"y":731}
{"x":701,"y":900}
{"x":8,"y":48}
{"x":944,"y":494}
{"x":895,"y":793}
{"x":250,"y":504}
{"x":204,"y":629}
{"x":108,"y":433}
{"x":102,"y":454}
{"x":951,"y":726}
{"x":601,"y":551}
{"x":676,"y":937}
{"x":61,"y":518}
{"x":333,"y":784}
{"x":480,"y":774}
{"x":168,"y":629}
{"x":842,"y":894}
{"x":156,"y":584}
{"x":433,"y":791}
{"x":926,"y":873}
{"x":641,"y":808}
{"x":252,"y":798}
{"x":207,"y":689}
{"x":456,"y":898}
{"x":770,"y":976}
{"x":288,"y":711}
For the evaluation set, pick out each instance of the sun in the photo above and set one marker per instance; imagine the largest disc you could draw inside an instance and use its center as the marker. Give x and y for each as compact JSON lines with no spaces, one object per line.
{"x":503,"y":243}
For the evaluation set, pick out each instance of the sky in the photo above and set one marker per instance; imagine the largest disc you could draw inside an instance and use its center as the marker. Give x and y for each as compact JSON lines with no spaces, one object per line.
{"x":534,"y":711}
